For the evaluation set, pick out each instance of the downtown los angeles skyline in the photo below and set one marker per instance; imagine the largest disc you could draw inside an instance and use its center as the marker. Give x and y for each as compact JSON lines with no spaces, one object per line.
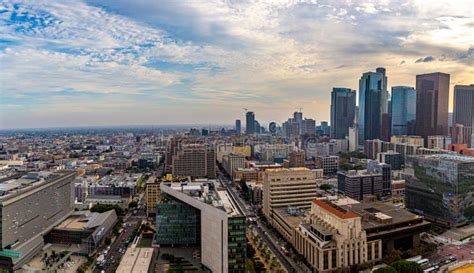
{"x":80,"y":63}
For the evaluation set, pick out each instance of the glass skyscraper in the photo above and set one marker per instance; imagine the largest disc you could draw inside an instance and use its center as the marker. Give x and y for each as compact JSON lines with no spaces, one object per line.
{"x":403,"y":110}
{"x":250,"y":123}
{"x":373,"y":101}
{"x":343,"y":106}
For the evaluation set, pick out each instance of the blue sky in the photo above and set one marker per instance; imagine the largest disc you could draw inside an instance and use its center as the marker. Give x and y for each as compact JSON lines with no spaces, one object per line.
{"x":76,"y":63}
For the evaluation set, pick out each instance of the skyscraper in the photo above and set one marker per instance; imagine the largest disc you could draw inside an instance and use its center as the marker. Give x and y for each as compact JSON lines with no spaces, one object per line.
{"x":238,"y":127}
{"x":464,"y":105}
{"x":432,"y":101}
{"x":373,"y":101}
{"x":298,"y":119}
{"x":343,"y":103}
{"x":403,"y":110}
{"x":250,"y":123}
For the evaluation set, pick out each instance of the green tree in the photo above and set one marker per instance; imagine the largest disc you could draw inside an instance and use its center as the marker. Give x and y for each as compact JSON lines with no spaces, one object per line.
{"x":106,"y":207}
{"x":404,"y":266}
{"x":387,"y":269}
{"x":325,"y":187}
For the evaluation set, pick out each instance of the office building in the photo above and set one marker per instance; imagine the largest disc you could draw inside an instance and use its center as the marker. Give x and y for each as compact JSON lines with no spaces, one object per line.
{"x":329,"y":164}
{"x":30,"y":207}
{"x":439,"y":187}
{"x":238,"y":127}
{"x":308,"y":126}
{"x":432,"y":104}
{"x":359,"y":184}
{"x":290,"y":128}
{"x":403,"y":110}
{"x":324,"y":128}
{"x":343,"y":106}
{"x":373,"y":166}
{"x":273,"y":152}
{"x":202,"y":213}
{"x":250,"y":123}
{"x":386,"y":130}
{"x":195,"y":160}
{"x":414,"y":140}
{"x":152,"y":194}
{"x":461,"y":134}
{"x":464,"y":105}
{"x":282,"y":188}
{"x":333,"y":238}
{"x":353,"y":138}
{"x":297,"y":159}
{"x":373,"y":102}
{"x":438,"y":142}
{"x":391,"y":158}
{"x":233,"y":162}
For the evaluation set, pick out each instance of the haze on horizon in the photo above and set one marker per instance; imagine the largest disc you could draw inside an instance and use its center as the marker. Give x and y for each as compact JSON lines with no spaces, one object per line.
{"x":93,"y":62}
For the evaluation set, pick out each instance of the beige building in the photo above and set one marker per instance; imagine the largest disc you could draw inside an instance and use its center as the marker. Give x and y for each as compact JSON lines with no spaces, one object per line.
{"x":334,"y":238}
{"x":152,"y":195}
{"x":244,"y":150}
{"x":233,"y":162}
{"x":297,"y":159}
{"x":294,"y":187}
{"x":248,"y":174}
{"x":414,"y":140}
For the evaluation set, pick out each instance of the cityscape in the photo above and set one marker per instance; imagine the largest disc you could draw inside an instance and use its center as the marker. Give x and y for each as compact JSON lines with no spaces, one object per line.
{"x":237,"y":136}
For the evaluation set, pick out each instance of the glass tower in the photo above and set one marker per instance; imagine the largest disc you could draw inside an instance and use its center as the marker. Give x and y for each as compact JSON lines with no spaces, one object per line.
{"x":343,"y":105}
{"x":403,"y":110}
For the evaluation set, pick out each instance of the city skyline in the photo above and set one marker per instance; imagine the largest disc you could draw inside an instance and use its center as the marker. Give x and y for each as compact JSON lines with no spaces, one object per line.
{"x":94,"y":63}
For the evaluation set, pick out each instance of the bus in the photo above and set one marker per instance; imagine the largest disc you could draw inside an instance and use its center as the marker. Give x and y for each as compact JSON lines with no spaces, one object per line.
{"x":423,"y":262}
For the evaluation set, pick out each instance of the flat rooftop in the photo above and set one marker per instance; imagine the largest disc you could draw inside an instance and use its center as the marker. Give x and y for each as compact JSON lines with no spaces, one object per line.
{"x":209,"y":192}
{"x":291,"y":219}
{"x":10,"y":188}
{"x":136,"y":260}
{"x":449,"y":157}
{"x":287,"y":170}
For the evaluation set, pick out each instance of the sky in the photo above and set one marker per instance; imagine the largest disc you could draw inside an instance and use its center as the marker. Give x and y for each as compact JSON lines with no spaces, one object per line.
{"x":133,"y":62}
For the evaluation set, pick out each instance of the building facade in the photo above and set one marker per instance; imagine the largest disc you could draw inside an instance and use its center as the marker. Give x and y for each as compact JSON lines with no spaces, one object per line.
{"x":343,"y":106}
{"x":403,"y":110}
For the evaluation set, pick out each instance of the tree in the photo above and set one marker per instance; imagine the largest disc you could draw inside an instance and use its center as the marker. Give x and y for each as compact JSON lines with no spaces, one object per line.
{"x":469,"y":212}
{"x":325,"y":187}
{"x":133,"y":204}
{"x":392,"y":257}
{"x":387,"y":269}
{"x":404,"y":266}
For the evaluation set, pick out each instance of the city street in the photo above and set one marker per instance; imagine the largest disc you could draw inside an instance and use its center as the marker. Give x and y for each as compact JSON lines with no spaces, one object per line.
{"x":264,"y":233}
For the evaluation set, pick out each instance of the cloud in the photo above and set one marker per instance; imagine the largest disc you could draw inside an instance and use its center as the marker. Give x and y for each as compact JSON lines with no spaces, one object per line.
{"x":426,"y":59}
{"x":156,"y":55}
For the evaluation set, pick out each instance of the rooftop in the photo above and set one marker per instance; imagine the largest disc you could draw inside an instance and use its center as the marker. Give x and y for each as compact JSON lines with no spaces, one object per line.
{"x":209,"y":192}
{"x":136,"y":260}
{"x":335,"y":209}
{"x":450,"y":157}
{"x":281,"y":170}
{"x":82,"y":220}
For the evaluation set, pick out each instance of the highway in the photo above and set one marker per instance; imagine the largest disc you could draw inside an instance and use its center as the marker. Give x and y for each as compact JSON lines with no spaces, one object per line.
{"x":285,"y":261}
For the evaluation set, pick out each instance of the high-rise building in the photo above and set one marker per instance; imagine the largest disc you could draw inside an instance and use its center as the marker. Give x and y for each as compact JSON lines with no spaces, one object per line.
{"x":394,"y":159}
{"x":464,"y":110}
{"x":290,"y":128}
{"x":461,"y":134}
{"x":329,"y":163}
{"x":308,"y":126}
{"x":195,"y":160}
{"x":238,"y":127}
{"x":250,"y":123}
{"x":30,"y":207}
{"x":373,"y":102}
{"x":298,"y":119}
{"x":432,"y":104}
{"x":324,"y":128}
{"x":294,"y":187}
{"x":439,"y":187}
{"x":343,"y":105}
{"x":297,"y":159}
{"x":403,"y":110}
{"x":203,"y":213}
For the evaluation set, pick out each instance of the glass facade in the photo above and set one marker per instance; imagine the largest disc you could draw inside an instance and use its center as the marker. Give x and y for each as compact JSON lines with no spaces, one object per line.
{"x":403,"y":110}
{"x":237,"y":245}
{"x":373,"y":101}
{"x":343,"y":105}
{"x":441,"y":188}
{"x":177,"y":223}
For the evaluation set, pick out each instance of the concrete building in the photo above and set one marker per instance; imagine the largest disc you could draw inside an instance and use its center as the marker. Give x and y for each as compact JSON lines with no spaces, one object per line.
{"x":438,"y":142}
{"x":195,"y":160}
{"x":273,"y":152}
{"x":297,"y":159}
{"x":439,"y":187}
{"x":233,"y":162}
{"x":414,"y":140}
{"x":152,"y":194}
{"x":210,"y":215}
{"x":334,"y":238}
{"x":461,"y":134}
{"x":353,"y":138}
{"x":84,"y":231}
{"x":392,"y":158}
{"x":248,"y":174}
{"x":432,"y":104}
{"x":30,"y":207}
{"x":385,"y":170}
{"x":358,"y":184}
{"x":329,"y":164}
{"x":282,"y":188}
